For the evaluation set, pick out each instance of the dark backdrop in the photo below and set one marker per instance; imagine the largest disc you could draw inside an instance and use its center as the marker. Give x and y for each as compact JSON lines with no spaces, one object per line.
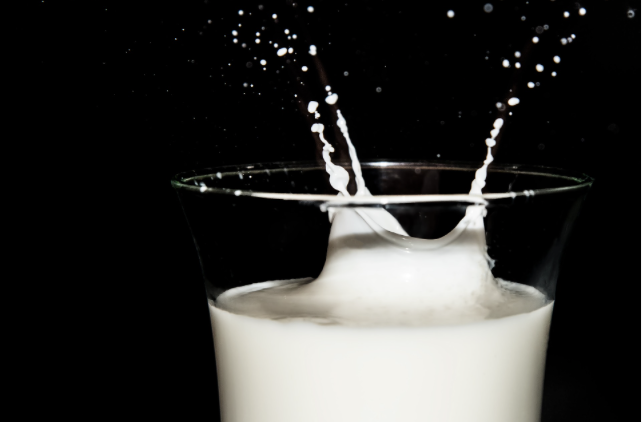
{"x":130,"y":94}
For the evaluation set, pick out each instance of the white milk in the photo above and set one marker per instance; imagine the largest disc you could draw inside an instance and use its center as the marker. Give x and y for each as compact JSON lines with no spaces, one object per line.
{"x":395,"y":328}
{"x":385,"y":333}
{"x":297,"y":371}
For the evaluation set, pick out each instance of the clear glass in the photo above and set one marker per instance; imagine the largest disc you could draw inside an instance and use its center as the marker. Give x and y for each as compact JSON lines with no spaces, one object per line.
{"x":371,"y":347}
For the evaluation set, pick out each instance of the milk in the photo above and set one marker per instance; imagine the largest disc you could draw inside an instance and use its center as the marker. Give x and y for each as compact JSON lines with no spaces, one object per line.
{"x":385,"y":333}
{"x":395,"y":328}
{"x":300,"y":371}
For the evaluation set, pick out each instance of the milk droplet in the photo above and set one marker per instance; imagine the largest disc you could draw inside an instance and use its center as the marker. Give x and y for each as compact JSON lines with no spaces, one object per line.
{"x":557,"y":59}
{"x":582,"y":11}
{"x":274,"y":16}
{"x":241,"y":13}
{"x":518,"y":54}
{"x":287,"y":31}
{"x":235,"y":33}
{"x":506,"y":63}
{"x":235,"y":41}
{"x":523,"y":18}
{"x":513,"y":101}
{"x":500,"y":106}
{"x":563,"y":41}
{"x":530,"y":85}
{"x":378,"y":89}
{"x":276,"y":45}
{"x":263,"y":62}
{"x":304,"y":68}
{"x":488,"y":8}
{"x":290,"y":50}
{"x":331,"y":99}
{"x":491,"y":142}
{"x":258,"y":34}
{"x":310,"y":9}
{"x":630,"y":13}
{"x":281,"y":52}
{"x":237,"y":192}
{"x":554,"y":74}
{"x":317,"y":127}
{"x":566,"y":14}
{"x":498,"y":123}
{"x":294,"y":37}
{"x":539,"y":68}
{"x":535,"y":40}
{"x":312,"y":106}
{"x":345,"y":73}
{"x":313,"y":50}
{"x":573,"y":36}
{"x":450,"y":14}
{"x":518,"y":65}
{"x":244,"y":84}
{"x":258,"y":41}
{"x":328,"y":88}
{"x":243,"y":45}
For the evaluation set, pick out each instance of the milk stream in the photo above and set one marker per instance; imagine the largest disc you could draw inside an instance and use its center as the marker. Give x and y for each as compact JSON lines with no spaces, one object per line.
{"x":395,"y":328}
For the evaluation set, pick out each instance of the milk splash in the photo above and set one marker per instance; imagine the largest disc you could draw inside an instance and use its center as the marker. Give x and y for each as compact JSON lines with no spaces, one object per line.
{"x":376,"y":273}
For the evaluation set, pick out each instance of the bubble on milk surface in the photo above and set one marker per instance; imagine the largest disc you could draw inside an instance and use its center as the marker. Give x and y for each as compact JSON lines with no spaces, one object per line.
{"x":488,"y":8}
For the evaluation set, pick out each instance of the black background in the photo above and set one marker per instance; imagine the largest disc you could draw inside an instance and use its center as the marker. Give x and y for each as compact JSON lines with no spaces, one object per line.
{"x":126,"y":95}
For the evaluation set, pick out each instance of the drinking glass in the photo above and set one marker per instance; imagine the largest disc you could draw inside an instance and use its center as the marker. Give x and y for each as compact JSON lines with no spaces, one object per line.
{"x":267,"y":226}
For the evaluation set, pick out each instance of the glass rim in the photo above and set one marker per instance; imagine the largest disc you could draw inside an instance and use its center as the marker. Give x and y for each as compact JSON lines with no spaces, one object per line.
{"x":188,"y":180}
